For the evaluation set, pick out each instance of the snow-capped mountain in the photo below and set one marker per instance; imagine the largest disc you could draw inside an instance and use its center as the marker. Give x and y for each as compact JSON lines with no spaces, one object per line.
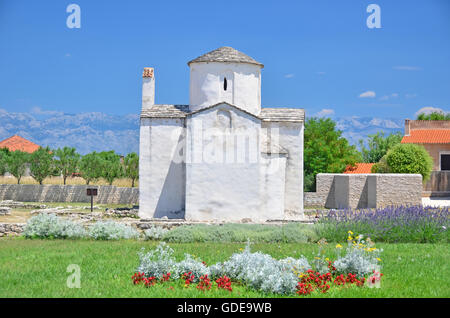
{"x":356,"y":128}
{"x":99,"y":131}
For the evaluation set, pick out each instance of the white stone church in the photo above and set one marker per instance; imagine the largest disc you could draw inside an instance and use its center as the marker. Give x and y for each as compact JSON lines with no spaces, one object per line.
{"x":222,"y":158}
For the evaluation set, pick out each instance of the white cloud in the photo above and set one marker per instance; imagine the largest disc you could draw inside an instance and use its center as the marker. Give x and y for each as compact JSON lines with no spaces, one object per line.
{"x":368,"y":94}
{"x":289,"y":75}
{"x":67,"y":55}
{"x":429,"y":109}
{"x":410,"y":95}
{"x":407,"y":68}
{"x":321,"y":73}
{"x":325,"y":112}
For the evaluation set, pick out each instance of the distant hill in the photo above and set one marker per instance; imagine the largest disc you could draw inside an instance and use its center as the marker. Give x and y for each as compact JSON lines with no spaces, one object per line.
{"x":98,"y":131}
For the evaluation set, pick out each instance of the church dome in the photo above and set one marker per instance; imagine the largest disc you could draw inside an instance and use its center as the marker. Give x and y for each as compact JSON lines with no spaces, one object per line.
{"x":226,"y":54}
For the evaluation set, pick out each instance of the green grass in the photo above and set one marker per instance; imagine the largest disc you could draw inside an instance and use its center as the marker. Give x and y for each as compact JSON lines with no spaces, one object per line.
{"x":37,"y":268}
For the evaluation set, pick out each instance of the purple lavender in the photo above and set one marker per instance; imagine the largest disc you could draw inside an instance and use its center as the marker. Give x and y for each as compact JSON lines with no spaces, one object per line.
{"x":391,"y":224}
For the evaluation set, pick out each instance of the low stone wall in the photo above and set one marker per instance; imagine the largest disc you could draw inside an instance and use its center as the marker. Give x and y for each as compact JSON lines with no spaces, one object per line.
{"x":68,"y":193}
{"x":11,"y":229}
{"x":358,"y":191}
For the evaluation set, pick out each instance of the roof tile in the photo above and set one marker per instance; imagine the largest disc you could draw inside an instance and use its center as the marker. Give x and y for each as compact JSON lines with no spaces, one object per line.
{"x":19,"y":143}
{"x":360,"y":167}
{"x":428,"y":136}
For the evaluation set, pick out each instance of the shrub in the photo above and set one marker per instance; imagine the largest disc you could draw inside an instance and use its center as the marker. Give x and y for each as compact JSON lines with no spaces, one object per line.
{"x":155,"y":233}
{"x":381,"y":166}
{"x":360,"y":259}
{"x":292,"y":233}
{"x":110,"y":230}
{"x":410,"y":158}
{"x":157,"y":262}
{"x":403,"y":224}
{"x":50,"y":226}
{"x":261,"y":271}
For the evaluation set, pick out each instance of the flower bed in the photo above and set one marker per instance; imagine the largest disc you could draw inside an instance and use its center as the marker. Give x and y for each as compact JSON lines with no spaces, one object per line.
{"x":359,"y":266}
{"x":403,"y":224}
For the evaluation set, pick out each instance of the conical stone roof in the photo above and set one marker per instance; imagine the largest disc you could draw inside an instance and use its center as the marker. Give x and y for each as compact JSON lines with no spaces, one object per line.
{"x":225,"y":54}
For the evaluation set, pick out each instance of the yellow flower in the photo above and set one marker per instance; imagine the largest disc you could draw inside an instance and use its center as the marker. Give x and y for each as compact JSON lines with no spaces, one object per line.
{"x":327,"y":259}
{"x":317,"y":257}
{"x":350,"y":232}
{"x":338,"y":246}
{"x":379,"y":259}
{"x":241,"y":249}
{"x":349,"y":238}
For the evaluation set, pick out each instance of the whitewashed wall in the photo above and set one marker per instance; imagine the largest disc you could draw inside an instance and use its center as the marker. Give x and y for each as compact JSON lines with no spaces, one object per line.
{"x":244,"y":85}
{"x":218,"y":188}
{"x":161,"y":168}
{"x":289,"y":135}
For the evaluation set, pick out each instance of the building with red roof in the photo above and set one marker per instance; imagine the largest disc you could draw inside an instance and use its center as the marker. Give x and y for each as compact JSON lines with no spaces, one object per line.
{"x":360,"y":167}
{"x":434,"y":135}
{"x":19,"y":143}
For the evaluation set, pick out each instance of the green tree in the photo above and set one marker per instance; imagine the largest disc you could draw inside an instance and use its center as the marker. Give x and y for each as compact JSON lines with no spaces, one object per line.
{"x":131,"y":167}
{"x":111,"y":168}
{"x":67,"y":161}
{"x":17,"y":162}
{"x":91,"y":167}
{"x":434,"y":116}
{"x":379,"y":146}
{"x":41,"y":164}
{"x":325,"y":150}
{"x":4,"y":154}
{"x":410,"y":158}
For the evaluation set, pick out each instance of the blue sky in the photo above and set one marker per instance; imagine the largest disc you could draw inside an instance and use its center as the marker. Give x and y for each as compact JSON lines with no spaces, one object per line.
{"x":318,"y":55}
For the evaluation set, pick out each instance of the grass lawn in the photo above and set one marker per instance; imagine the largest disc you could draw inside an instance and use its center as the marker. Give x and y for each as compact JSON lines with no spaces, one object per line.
{"x":37,"y":268}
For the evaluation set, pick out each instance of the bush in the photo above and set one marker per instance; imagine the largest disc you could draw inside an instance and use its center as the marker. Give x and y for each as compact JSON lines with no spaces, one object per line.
{"x":410,"y":158}
{"x":110,"y":230}
{"x":155,"y":233}
{"x":360,"y":259}
{"x":381,"y":166}
{"x":50,"y":226}
{"x":403,"y":224}
{"x":289,"y":233}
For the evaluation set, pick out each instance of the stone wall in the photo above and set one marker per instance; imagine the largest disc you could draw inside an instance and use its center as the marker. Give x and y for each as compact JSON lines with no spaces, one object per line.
{"x":358,"y":191}
{"x":11,"y":229}
{"x":68,"y":193}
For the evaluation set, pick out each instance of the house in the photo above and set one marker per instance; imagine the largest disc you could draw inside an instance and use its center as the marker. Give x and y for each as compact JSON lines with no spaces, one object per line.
{"x":222,"y":157}
{"x":359,"y":167}
{"x":434,"y":135}
{"x":16,"y":142}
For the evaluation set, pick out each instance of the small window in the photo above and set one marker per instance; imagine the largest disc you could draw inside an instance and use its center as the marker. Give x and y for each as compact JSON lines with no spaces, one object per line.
{"x":445,"y":162}
{"x":225,"y":84}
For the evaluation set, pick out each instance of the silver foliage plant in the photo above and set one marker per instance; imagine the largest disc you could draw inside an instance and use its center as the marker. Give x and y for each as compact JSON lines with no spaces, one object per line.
{"x":110,"y":230}
{"x":257,"y":270}
{"x":358,"y":260}
{"x":46,"y":225}
{"x":155,"y":233}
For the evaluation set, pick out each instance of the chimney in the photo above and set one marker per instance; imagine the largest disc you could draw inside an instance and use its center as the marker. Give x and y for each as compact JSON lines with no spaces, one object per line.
{"x":148,"y":88}
{"x":407,"y":127}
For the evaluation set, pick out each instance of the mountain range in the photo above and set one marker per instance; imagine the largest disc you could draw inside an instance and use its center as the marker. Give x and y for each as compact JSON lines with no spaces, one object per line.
{"x":94,"y":131}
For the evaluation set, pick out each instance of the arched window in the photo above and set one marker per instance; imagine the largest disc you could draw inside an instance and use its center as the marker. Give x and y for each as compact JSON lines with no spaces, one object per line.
{"x":225,"y":84}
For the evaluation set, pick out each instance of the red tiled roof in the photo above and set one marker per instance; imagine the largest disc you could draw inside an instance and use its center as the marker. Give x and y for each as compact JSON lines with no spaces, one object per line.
{"x":427,"y":136}
{"x":360,"y":167}
{"x":18,"y":143}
